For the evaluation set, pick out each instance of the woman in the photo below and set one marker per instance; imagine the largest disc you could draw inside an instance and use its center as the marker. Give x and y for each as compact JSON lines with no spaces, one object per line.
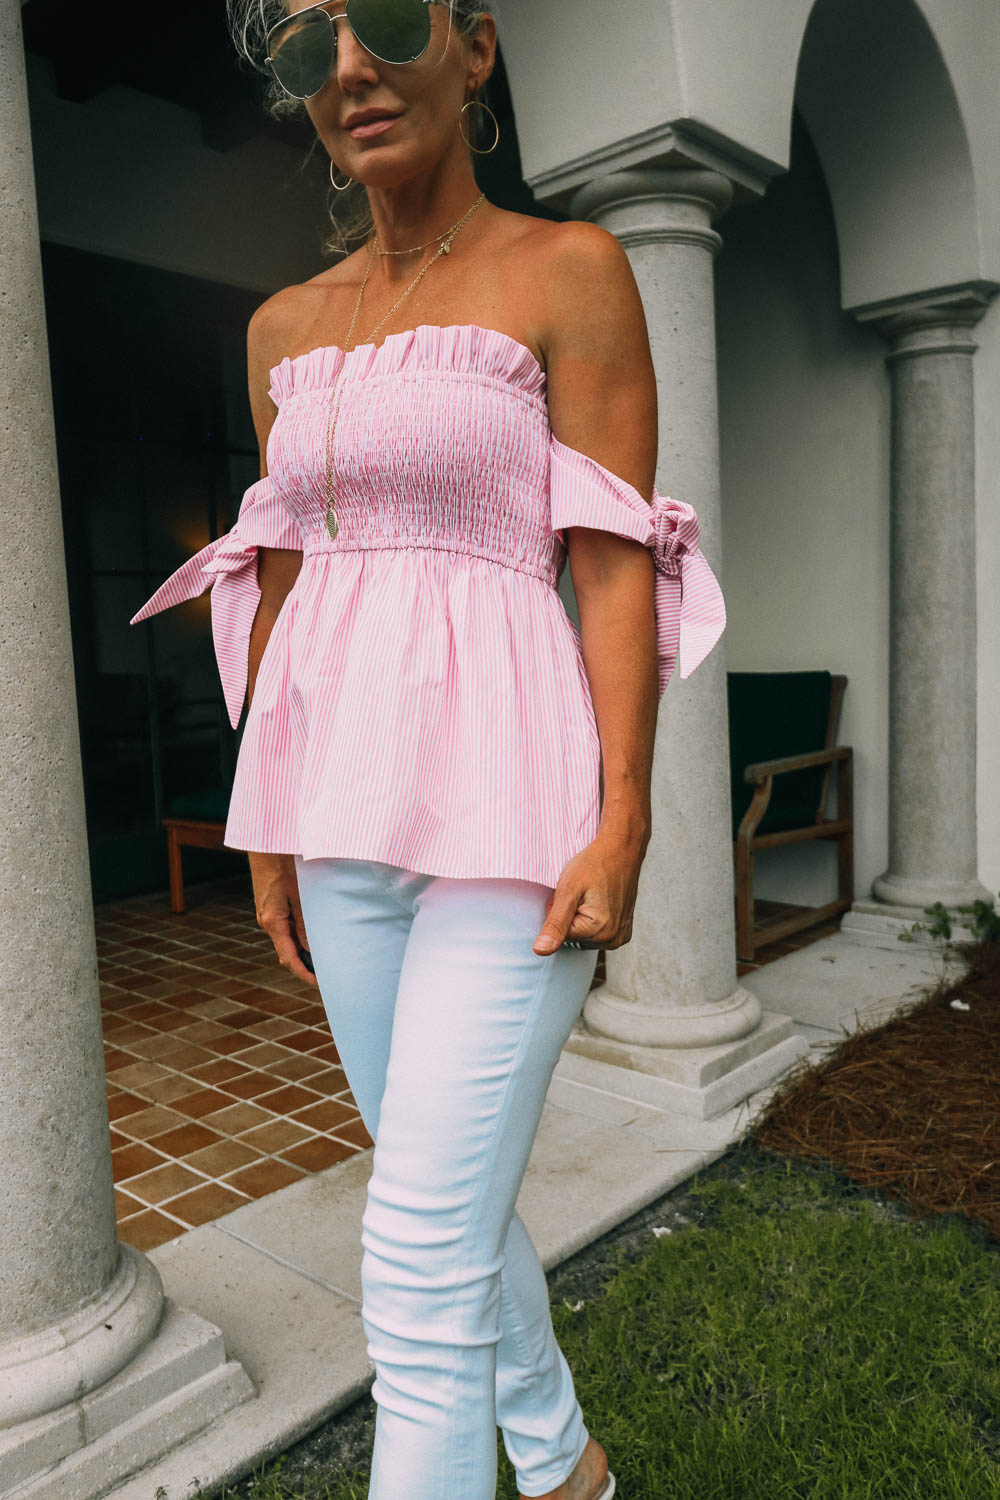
{"x":420,"y":784}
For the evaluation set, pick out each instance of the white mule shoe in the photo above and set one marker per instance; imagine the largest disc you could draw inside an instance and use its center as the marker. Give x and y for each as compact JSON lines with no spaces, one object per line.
{"x":609,"y":1487}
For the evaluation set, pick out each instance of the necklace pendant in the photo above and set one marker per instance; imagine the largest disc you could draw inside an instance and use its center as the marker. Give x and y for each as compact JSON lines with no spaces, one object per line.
{"x":331,"y":523}
{"x":446,"y":248}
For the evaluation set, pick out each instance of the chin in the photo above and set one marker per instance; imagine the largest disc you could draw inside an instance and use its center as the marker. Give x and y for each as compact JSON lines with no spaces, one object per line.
{"x":386,"y":170}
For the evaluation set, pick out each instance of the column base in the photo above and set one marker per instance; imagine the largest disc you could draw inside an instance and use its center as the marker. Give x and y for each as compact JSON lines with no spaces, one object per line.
{"x":43,"y":1370}
{"x":176,"y":1386}
{"x":623,"y":1019}
{"x":877,"y":924}
{"x":699,"y":1082}
{"x":899,"y":890}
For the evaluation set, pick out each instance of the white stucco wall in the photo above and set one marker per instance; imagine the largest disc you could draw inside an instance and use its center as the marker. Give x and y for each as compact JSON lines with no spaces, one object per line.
{"x":804,"y":412}
{"x":804,"y":418}
{"x":912,"y":75}
{"x":561,"y":62}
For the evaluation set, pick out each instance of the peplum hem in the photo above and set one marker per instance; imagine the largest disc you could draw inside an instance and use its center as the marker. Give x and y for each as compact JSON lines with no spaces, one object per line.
{"x":451,"y":697}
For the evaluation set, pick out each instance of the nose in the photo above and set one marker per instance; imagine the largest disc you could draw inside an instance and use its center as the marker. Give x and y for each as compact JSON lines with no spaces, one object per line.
{"x":353,"y":65}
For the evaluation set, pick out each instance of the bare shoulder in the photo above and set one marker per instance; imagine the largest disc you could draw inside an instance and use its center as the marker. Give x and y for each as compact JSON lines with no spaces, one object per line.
{"x":532,"y":235}
{"x":592,"y":301}
{"x":268,"y":329}
{"x":580,"y":243}
{"x":270,"y":333}
{"x":600,"y":379}
{"x":281,"y":324}
{"x":559,"y":248}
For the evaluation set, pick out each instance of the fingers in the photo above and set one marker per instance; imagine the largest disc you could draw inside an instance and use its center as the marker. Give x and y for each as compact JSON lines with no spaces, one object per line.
{"x":558,"y":929}
{"x":287,"y":950}
{"x":279,"y":913}
{"x":299,"y":920}
{"x":585,"y":910}
{"x":548,"y":940}
{"x":567,"y":926}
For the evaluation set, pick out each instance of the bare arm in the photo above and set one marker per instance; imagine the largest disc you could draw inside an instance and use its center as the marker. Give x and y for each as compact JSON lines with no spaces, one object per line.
{"x":277,"y":570}
{"x":275,"y":887}
{"x":602,"y":401}
{"x":277,"y":567}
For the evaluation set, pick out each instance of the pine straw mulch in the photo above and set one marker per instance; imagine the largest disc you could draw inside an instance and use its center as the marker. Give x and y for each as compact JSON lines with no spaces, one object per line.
{"x":910,"y":1107}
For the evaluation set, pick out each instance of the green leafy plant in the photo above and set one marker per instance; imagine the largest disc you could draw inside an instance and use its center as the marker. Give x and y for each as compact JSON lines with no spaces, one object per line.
{"x":981,"y":920}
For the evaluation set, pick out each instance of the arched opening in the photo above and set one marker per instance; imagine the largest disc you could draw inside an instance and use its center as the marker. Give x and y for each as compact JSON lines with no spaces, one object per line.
{"x":878,"y":203}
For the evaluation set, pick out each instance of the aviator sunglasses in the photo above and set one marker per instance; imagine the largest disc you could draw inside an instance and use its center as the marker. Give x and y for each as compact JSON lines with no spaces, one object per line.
{"x":302,"y":47}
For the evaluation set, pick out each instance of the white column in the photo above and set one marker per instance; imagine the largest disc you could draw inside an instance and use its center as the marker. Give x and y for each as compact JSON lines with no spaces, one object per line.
{"x":671,"y":1004}
{"x":932,"y":685}
{"x":76,"y":1307}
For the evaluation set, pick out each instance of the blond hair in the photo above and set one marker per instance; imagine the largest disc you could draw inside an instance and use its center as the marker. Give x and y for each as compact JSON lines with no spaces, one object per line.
{"x":249,"y":22}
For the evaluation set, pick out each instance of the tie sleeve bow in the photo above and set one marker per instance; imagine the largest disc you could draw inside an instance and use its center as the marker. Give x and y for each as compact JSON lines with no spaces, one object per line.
{"x":228,"y":566}
{"x":690,"y":609}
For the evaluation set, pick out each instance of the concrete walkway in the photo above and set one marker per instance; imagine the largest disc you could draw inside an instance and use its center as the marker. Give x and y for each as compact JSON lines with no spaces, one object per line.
{"x":281,"y":1276}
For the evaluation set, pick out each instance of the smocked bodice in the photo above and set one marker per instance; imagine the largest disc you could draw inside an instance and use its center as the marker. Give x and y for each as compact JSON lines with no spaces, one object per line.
{"x":441,"y":440}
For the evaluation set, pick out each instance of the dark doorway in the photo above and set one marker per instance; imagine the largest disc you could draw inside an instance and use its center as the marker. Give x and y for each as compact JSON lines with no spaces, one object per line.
{"x":156,"y":447}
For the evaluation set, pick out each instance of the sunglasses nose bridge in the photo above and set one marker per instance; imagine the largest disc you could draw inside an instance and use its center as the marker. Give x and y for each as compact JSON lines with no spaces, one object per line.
{"x":341,"y":54}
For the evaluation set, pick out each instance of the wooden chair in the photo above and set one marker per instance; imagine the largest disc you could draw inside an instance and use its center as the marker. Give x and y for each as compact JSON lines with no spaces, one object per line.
{"x":783,"y":728}
{"x":198,"y":820}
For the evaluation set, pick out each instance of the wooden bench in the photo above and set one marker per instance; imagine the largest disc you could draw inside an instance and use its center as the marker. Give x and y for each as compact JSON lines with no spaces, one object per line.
{"x":783,"y":729}
{"x":197,"y":820}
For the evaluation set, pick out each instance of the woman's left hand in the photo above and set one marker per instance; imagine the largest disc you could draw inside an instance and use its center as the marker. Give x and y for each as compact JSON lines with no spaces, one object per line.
{"x":595,"y":897}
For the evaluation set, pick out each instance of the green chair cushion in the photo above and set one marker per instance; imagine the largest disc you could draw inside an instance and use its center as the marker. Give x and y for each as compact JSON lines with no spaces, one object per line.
{"x":211,"y":806}
{"x":774,"y":714}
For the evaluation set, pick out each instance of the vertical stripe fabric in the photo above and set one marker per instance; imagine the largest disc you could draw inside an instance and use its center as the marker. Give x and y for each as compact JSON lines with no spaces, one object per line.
{"x":422,"y":699}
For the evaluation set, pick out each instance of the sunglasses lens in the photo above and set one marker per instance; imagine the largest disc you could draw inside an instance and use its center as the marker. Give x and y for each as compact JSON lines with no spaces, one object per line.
{"x":302,"y":53}
{"x":393,"y":30}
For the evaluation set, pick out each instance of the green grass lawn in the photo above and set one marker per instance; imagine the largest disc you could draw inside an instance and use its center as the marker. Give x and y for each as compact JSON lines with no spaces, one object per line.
{"x":795,"y":1339}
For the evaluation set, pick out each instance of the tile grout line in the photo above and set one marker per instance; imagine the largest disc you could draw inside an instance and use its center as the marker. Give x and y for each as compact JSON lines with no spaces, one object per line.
{"x":265,"y":1156}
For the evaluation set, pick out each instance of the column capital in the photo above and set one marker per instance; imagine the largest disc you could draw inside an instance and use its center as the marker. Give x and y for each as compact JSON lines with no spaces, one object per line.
{"x":649,"y":205}
{"x":932,"y":322}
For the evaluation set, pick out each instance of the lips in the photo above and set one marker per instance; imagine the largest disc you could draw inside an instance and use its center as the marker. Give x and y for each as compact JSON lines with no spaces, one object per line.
{"x":371,"y":125}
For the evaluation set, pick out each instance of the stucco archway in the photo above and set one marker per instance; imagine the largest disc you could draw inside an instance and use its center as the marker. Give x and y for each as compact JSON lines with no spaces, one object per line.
{"x":875,"y":92}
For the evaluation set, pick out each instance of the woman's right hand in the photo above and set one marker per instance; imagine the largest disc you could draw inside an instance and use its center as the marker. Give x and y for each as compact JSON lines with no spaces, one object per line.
{"x":279,"y":910}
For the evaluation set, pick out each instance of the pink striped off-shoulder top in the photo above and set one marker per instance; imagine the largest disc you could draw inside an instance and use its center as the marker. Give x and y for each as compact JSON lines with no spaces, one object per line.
{"x":422,"y":699}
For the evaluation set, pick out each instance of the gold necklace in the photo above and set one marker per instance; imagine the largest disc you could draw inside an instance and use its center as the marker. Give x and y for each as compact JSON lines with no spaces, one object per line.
{"x":413,"y":248}
{"x":444,"y":249}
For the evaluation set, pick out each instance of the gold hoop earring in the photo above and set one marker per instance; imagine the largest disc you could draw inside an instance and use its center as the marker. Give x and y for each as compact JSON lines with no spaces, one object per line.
{"x":492,"y":116}
{"x":340,"y":186}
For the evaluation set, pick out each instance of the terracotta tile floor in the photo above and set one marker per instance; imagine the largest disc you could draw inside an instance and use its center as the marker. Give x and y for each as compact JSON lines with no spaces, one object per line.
{"x":223,"y":1080}
{"x":224,"y":1083}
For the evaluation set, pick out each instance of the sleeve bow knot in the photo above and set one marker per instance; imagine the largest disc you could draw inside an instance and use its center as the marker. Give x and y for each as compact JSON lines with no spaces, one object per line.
{"x":228,"y":566}
{"x":690,"y":609}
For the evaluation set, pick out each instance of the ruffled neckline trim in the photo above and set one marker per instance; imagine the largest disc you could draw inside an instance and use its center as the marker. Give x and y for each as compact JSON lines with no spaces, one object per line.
{"x":455,"y":346}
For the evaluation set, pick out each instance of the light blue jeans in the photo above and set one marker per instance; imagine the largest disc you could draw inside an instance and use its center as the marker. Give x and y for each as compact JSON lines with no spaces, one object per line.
{"x":448,"y":1026}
